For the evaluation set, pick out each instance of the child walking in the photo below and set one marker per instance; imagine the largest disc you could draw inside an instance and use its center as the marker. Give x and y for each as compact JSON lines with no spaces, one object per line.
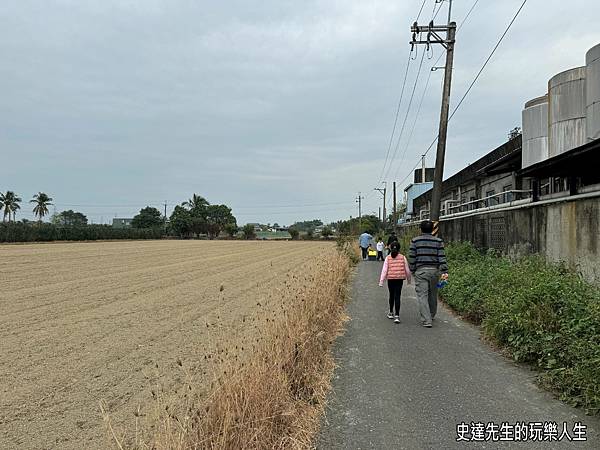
{"x":380,"y":247}
{"x":395,"y":270}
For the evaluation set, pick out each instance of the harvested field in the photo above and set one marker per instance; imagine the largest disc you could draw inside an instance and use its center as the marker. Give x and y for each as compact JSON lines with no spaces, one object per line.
{"x":117,"y":322}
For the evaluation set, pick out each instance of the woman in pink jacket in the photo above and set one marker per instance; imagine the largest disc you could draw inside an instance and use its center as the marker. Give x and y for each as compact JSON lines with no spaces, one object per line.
{"x":395,"y":270}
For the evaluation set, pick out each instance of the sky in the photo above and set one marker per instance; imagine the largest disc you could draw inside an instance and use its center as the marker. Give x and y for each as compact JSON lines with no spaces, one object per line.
{"x":281,"y":109}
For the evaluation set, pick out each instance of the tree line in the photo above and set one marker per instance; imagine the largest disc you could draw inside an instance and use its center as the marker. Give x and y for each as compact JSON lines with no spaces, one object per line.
{"x":191,"y":218}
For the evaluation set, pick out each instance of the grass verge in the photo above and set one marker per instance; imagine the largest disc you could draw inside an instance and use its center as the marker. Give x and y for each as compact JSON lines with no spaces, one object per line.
{"x":274,"y":397}
{"x":541,"y":313}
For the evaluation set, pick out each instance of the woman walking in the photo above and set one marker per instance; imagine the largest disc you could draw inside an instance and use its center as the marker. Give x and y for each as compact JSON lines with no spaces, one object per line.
{"x":395,"y":270}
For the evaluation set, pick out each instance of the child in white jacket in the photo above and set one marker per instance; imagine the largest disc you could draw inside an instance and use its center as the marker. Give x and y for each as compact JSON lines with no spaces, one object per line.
{"x":395,"y":270}
{"x":380,"y":247}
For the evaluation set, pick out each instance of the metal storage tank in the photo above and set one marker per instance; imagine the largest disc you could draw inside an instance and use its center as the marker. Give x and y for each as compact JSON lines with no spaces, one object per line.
{"x":566,"y":111}
{"x":535,"y":131}
{"x":592,"y":61}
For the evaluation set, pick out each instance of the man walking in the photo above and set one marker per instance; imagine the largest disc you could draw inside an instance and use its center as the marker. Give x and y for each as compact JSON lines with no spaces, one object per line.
{"x":427,"y":259}
{"x":364,"y":241}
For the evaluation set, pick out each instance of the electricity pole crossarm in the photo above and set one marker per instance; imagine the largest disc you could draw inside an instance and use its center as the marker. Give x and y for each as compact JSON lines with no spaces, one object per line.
{"x":432,"y":34}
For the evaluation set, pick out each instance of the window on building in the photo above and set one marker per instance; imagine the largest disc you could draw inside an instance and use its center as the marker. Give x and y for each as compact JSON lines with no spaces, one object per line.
{"x":508,"y":196}
{"x":544,"y":186}
{"x":490,"y":201}
{"x":560,"y":185}
{"x":472,"y":204}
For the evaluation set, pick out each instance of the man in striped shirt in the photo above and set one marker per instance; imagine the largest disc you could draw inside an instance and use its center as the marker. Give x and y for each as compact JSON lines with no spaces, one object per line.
{"x":426,"y":259}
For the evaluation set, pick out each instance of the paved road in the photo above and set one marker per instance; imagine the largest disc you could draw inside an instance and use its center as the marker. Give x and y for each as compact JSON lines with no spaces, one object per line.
{"x":405,"y":386}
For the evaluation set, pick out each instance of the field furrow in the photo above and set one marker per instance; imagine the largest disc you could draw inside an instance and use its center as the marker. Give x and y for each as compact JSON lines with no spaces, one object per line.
{"x":85,"y":322}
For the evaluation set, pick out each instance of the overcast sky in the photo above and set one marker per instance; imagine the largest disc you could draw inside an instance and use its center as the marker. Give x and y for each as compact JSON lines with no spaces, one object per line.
{"x":110,"y":105}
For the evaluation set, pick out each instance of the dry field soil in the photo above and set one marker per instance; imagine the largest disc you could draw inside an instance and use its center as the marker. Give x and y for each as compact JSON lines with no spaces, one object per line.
{"x":117,"y":322}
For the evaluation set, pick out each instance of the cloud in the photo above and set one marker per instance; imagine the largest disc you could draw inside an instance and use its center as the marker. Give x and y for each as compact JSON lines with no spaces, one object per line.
{"x":252,"y":103}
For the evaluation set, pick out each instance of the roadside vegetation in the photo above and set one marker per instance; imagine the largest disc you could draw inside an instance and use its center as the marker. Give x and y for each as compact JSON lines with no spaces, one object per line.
{"x":540,"y":313}
{"x":272,"y":397}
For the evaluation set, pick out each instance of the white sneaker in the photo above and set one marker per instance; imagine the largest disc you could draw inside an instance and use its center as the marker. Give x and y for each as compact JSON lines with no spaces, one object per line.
{"x":390,"y":315}
{"x":397,"y":319}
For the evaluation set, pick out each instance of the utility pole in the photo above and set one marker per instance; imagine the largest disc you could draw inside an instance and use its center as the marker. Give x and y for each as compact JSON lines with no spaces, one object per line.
{"x":384,"y":193}
{"x":448,"y":43}
{"x":165,"y":204}
{"x":395,"y":214}
{"x":423,"y":179}
{"x":359,"y":200}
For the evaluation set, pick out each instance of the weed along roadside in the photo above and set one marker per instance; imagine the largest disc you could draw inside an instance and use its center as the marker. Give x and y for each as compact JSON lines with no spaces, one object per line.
{"x":274,"y":397}
{"x":540,"y":313}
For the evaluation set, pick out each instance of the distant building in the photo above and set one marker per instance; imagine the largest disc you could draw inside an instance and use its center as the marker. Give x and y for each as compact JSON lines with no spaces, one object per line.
{"x":257,"y":226}
{"x":121,"y":222}
{"x":415,"y":189}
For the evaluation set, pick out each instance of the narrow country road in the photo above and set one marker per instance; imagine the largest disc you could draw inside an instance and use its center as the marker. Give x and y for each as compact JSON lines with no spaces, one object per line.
{"x":405,"y":386}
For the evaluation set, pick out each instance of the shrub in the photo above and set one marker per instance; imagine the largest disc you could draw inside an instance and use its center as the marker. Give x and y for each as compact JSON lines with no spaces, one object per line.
{"x":38,"y":232}
{"x":294,"y":233}
{"x":248,"y":231}
{"x":542,"y":313}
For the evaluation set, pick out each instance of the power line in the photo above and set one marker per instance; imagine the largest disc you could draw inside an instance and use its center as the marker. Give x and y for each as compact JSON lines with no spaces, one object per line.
{"x":421,"y":10}
{"x":412,"y":96}
{"x":488,"y":58}
{"x":476,"y":76}
{"x":289,"y":205}
{"x":462,"y":23}
{"x":414,"y":125}
{"x":381,"y":177}
{"x":306,"y":212}
{"x":434,"y":15}
{"x":161,"y":203}
{"x":396,"y":118}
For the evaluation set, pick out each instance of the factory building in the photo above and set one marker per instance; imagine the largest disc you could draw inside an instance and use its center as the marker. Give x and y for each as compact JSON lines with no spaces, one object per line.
{"x":557,"y":155}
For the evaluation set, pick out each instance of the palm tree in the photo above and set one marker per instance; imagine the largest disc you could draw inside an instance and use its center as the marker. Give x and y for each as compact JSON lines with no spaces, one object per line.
{"x":196,"y":202}
{"x":11,"y":204}
{"x":42,"y":201}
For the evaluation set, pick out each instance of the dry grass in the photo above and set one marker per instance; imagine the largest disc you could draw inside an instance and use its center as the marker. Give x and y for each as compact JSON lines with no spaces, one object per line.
{"x":273,"y":397}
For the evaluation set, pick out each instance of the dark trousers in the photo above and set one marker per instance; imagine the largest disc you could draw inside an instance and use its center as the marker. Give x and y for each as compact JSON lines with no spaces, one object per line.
{"x":379,"y":256}
{"x":364,"y":252}
{"x":395,"y":288}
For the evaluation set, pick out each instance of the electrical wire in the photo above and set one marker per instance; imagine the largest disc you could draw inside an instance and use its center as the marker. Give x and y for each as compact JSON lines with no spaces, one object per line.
{"x":420,"y":10}
{"x":395,"y":119}
{"x":414,"y":125}
{"x":391,"y":141}
{"x":412,"y":96}
{"x":488,"y":59}
{"x":434,"y":14}
{"x":476,"y":76}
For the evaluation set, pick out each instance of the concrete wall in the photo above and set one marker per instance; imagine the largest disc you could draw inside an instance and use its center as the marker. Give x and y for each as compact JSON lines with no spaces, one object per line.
{"x":563,"y":231}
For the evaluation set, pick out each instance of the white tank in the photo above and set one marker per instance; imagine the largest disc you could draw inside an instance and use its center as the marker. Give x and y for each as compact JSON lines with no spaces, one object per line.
{"x":535,"y":131}
{"x":592,"y":61}
{"x":566,"y":111}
